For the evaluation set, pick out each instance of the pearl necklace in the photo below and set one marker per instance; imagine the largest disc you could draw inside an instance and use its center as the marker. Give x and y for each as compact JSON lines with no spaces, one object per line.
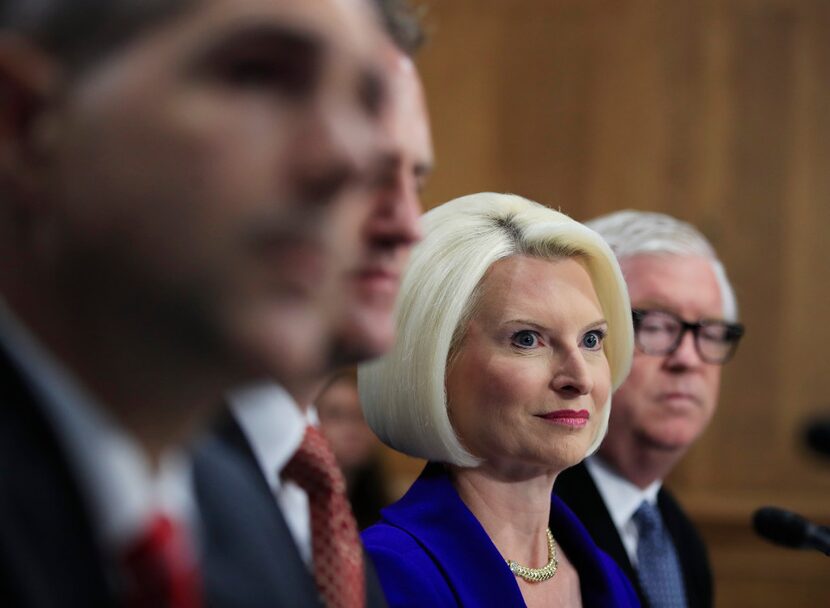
{"x":537,"y":575}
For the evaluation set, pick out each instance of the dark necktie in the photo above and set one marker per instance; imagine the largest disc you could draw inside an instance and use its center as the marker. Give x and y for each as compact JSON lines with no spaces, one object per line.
{"x":336,"y":549}
{"x":160,"y":570}
{"x":657,"y":565}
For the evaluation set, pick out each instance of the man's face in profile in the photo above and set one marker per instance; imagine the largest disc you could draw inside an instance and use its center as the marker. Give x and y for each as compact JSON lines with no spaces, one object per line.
{"x":369,"y":290}
{"x":206,"y":175}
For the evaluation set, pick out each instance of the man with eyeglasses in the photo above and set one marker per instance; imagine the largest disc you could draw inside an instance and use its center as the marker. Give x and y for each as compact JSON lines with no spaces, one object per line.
{"x":685,"y":321}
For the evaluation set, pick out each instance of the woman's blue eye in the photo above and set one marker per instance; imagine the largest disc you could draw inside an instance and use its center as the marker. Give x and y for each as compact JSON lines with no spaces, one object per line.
{"x":525,"y":339}
{"x":593,"y":339}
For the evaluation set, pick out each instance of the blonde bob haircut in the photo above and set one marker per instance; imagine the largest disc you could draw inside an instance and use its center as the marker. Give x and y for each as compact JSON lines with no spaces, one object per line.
{"x":403,"y":393}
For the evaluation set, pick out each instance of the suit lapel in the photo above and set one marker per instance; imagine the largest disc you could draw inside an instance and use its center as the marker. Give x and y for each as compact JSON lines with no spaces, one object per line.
{"x":296,"y":585}
{"x":228,"y":432}
{"x":576,"y":487}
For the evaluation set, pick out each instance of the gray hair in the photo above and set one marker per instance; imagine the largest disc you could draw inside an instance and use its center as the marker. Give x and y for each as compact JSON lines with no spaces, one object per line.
{"x":404,"y":393}
{"x":631,"y":233}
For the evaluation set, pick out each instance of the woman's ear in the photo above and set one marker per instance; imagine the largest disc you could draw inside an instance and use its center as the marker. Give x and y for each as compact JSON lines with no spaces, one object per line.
{"x":28,"y":84}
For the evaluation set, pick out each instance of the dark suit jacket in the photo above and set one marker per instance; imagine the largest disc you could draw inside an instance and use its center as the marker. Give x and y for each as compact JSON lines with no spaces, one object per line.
{"x":431,"y":551}
{"x":240,"y":567}
{"x":49,"y":555}
{"x":576,"y":487}
{"x":297,"y":587}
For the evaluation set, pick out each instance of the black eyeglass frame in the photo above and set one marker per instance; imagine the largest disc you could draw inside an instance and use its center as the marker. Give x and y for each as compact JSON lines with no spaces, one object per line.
{"x":732,"y":336}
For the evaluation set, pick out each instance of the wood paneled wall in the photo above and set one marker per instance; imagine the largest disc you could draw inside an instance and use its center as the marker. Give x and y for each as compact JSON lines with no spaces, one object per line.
{"x":715,"y":111}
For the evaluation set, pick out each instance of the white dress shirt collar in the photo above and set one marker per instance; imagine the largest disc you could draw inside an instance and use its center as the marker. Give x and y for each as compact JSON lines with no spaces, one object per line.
{"x":275,"y":426}
{"x":115,"y":476}
{"x":622,"y":498}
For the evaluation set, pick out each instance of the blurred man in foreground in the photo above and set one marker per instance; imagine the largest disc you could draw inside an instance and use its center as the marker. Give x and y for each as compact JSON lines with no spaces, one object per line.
{"x":685,"y":316}
{"x":177,"y":178}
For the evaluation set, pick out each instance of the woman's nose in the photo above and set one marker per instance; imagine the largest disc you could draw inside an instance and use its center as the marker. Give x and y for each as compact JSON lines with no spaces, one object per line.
{"x":572,"y":377}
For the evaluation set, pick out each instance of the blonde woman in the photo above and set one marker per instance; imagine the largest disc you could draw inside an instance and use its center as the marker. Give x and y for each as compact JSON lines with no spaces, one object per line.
{"x":514,"y":327}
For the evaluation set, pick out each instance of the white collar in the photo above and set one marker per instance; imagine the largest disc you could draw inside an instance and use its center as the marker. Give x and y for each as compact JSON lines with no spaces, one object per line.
{"x":273,"y":424}
{"x":115,"y":476}
{"x":622,"y":498}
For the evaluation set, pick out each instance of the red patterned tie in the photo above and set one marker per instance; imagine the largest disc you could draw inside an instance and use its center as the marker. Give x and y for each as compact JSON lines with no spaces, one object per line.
{"x":338,"y":557}
{"x":159,"y":569}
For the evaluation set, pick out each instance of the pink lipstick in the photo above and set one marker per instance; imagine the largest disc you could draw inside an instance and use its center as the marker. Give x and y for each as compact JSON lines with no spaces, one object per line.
{"x":571,"y":418}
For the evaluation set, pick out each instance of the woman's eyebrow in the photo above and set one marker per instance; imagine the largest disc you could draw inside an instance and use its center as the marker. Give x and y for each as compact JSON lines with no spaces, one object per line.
{"x":528,"y":322}
{"x":595,"y":324}
{"x":536,"y":325}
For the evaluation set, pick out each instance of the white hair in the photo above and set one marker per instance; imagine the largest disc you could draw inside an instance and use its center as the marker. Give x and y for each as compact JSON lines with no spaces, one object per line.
{"x":404,"y":393}
{"x":631,"y":233}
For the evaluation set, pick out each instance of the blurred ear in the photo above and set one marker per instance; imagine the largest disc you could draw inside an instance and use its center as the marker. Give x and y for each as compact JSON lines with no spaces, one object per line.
{"x":28,"y":81}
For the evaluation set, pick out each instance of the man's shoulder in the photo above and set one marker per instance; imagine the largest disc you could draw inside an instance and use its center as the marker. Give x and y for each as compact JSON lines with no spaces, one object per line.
{"x":48,"y":550}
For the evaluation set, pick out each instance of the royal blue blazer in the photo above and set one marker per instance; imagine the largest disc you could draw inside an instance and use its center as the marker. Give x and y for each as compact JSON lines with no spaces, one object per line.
{"x":430,"y":551}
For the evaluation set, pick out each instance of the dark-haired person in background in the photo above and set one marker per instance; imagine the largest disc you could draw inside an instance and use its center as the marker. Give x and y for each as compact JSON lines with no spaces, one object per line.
{"x":355,"y":446}
{"x":176,"y":181}
{"x":685,"y":316}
